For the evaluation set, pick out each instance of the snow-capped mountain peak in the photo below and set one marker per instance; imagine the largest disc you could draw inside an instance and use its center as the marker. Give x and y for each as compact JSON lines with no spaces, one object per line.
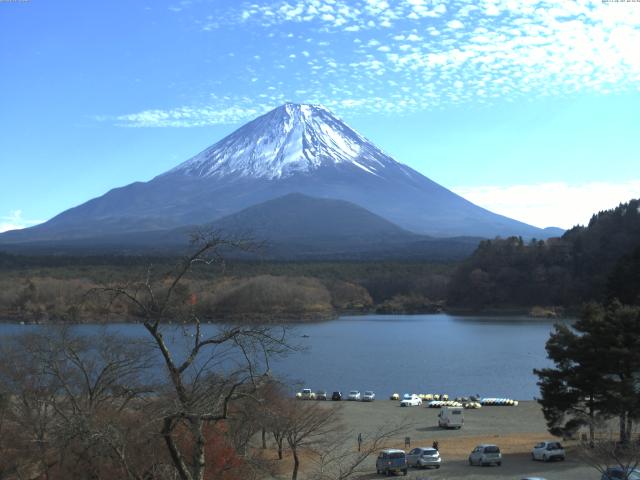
{"x":293,"y":138}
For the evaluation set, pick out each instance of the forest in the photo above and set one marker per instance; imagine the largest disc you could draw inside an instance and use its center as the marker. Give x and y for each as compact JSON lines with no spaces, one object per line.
{"x":597,"y":262}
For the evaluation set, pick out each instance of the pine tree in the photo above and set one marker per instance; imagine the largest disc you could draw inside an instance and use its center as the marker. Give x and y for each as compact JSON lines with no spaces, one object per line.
{"x":597,"y":371}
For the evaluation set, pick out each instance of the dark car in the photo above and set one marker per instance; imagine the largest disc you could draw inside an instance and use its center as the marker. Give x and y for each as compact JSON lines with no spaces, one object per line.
{"x":619,"y":473}
{"x":337,"y":396}
{"x":392,"y":461}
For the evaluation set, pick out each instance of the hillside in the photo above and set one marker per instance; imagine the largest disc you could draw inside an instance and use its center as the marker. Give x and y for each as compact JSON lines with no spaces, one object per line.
{"x":586,"y":263}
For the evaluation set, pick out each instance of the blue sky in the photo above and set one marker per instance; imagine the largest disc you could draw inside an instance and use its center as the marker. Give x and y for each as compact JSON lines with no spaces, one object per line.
{"x":530,"y":108}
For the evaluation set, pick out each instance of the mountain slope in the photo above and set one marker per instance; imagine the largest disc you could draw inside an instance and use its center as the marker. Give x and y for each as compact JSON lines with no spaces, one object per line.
{"x":294,"y":226}
{"x":293,"y":148}
{"x":292,"y":139}
{"x":300,"y":217}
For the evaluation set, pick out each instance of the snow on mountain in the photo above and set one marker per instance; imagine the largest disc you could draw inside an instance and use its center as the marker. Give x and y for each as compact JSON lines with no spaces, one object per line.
{"x":290,"y":139}
{"x":294,"y":148}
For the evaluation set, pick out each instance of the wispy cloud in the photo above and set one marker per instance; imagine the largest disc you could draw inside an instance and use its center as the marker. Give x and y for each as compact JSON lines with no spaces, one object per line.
{"x":557,"y":204}
{"x":189,"y":116}
{"x":375,"y":56}
{"x":15,"y":221}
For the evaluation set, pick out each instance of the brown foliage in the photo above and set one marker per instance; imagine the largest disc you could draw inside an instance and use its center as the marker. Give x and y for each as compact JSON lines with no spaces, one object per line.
{"x":267,"y":295}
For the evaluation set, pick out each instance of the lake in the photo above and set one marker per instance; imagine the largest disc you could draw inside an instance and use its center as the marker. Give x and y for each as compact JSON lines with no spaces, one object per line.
{"x":459,"y":355}
{"x":490,"y":356}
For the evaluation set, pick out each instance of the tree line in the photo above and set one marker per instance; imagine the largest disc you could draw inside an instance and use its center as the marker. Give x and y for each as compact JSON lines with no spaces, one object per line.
{"x":238,"y":291}
{"x":598,"y":262}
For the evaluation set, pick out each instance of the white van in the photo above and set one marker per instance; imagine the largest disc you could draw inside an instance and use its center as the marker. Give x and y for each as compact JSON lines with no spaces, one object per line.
{"x":451,"y":417}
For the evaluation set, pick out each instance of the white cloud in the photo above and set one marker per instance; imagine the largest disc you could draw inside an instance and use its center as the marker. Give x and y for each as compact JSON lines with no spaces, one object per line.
{"x":556,"y":204}
{"x":455,"y":24}
{"x":214,"y":114}
{"x":14,"y":221}
{"x":503,"y":49}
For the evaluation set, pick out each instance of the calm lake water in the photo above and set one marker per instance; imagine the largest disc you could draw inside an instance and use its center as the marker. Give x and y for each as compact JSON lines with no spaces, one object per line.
{"x":458,"y":355}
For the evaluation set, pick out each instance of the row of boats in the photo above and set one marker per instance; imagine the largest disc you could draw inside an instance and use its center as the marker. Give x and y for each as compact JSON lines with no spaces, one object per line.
{"x":499,"y":402}
{"x":436,"y":400}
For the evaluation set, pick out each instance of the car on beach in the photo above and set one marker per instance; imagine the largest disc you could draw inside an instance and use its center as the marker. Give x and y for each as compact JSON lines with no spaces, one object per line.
{"x":548,"y":451}
{"x":321,"y":395}
{"x":392,"y":461}
{"x":354,"y":395}
{"x":485,"y":454}
{"x":307,"y":394}
{"x":619,"y":473}
{"x":368,"y":396}
{"x":336,"y":396}
{"x":410,"y":400}
{"x":423,"y":457}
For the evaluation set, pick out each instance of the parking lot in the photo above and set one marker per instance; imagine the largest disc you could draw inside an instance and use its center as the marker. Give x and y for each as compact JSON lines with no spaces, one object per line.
{"x":514,"y":429}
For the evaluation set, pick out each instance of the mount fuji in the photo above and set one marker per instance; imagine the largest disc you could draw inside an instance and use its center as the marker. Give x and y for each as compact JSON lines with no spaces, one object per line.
{"x":294,"y":148}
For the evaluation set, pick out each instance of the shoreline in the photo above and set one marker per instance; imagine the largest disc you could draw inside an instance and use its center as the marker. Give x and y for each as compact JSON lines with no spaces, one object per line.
{"x":292,"y":318}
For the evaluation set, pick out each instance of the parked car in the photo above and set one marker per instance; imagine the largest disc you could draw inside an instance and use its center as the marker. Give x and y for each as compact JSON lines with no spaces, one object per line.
{"x":619,"y":473}
{"x":547,"y":451}
{"x":368,"y":396}
{"x":423,"y":457}
{"x":410,"y":400}
{"x":451,"y":417}
{"x":354,"y":395}
{"x":307,"y":394}
{"x":321,"y":395}
{"x":336,"y":396}
{"x":485,"y":454}
{"x":392,"y":461}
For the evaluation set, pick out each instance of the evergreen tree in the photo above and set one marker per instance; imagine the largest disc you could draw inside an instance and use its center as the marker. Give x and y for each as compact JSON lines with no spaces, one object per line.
{"x":624,"y":282}
{"x":596,"y":373}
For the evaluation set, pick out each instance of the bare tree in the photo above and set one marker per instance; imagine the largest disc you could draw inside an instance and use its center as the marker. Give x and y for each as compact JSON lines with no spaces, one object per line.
{"x":213,"y":368}
{"x":309,"y":425}
{"x":27,"y":418}
{"x":340,"y":459}
{"x":605,"y":450}
{"x":75,"y":403}
{"x":273,"y":411}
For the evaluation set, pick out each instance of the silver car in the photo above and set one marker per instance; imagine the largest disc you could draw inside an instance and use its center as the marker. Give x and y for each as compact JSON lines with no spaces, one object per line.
{"x":368,"y":396}
{"x":547,"y":451}
{"x":354,"y":395}
{"x":423,"y":457}
{"x":485,"y":454}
